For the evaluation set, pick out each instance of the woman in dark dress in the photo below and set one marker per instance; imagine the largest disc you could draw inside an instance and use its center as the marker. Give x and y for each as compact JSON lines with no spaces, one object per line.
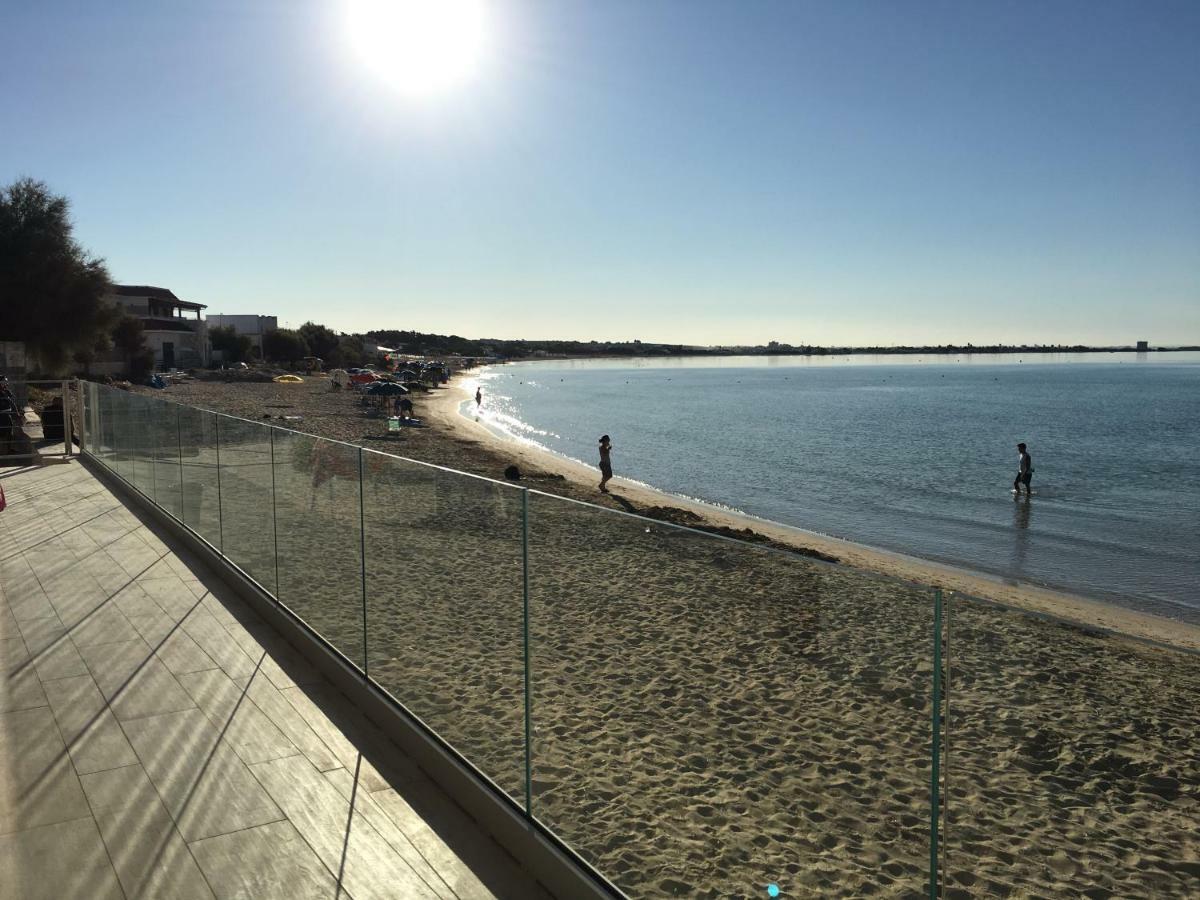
{"x":605,"y":462}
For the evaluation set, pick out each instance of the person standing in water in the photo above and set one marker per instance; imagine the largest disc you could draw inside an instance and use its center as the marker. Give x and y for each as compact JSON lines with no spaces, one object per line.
{"x":605,"y":462}
{"x":1024,"y":471}
{"x":478,"y":397}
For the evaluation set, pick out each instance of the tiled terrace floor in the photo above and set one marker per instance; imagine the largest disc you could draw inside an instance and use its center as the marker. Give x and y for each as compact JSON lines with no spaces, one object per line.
{"x":158,"y":739}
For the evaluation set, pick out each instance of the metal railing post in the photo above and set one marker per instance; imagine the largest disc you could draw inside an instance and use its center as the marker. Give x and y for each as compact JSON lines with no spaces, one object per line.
{"x":68,"y":409}
{"x":946,"y":730}
{"x":525,"y":643}
{"x":179,"y":445}
{"x":362,"y":550}
{"x":274,"y":512}
{"x":935,"y":745}
{"x":220,"y":512}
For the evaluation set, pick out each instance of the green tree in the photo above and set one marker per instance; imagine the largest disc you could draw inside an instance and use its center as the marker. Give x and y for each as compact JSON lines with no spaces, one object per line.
{"x":348,"y":355}
{"x":129,"y":337}
{"x":53,"y":291}
{"x":321,"y":341}
{"x":284,"y":345}
{"x":234,"y":347}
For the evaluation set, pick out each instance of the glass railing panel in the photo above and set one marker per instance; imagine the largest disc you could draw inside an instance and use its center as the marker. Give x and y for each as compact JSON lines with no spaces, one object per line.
{"x":713,"y":717}
{"x":444,"y":619}
{"x":247,"y":498}
{"x":164,"y":432}
{"x":318,"y":528}
{"x":1071,"y":760}
{"x":95,"y":435}
{"x":121,"y":422}
{"x":90,"y":416}
{"x":110,"y":427}
{"x":101,"y":443}
{"x":142,"y":443}
{"x":201,"y":489}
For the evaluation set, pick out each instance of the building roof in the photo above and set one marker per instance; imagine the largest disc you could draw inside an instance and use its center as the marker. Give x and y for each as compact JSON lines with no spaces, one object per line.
{"x":145,"y":290}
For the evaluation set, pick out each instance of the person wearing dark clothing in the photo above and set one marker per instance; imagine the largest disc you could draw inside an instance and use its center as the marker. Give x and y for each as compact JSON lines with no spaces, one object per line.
{"x":1024,"y":470}
{"x":605,"y":462}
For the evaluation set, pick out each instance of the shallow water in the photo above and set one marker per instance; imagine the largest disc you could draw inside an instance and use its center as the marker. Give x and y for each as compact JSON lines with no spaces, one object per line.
{"x":912,"y":454}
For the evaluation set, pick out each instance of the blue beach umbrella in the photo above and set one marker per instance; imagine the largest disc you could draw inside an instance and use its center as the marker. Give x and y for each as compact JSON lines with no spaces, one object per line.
{"x":386,"y":389}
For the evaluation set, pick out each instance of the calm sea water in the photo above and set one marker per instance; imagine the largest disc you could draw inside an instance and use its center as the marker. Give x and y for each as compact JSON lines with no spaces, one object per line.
{"x":915,"y":455}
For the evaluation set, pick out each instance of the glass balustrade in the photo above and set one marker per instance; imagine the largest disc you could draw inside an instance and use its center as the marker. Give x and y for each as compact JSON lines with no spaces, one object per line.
{"x":693,"y":715}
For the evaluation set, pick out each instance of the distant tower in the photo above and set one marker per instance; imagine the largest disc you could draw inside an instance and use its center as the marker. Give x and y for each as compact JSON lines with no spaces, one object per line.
{"x":1143,"y":346}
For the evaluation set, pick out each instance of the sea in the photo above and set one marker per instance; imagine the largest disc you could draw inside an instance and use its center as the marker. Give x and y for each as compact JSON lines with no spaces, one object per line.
{"x":913,"y":454}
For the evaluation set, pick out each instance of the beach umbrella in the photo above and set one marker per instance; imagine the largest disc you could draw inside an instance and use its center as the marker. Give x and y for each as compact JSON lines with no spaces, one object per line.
{"x":386,"y":389}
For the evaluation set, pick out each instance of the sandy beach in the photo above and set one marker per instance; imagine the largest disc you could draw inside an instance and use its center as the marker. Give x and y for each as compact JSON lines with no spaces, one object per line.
{"x":647,"y":501}
{"x":712,"y":716}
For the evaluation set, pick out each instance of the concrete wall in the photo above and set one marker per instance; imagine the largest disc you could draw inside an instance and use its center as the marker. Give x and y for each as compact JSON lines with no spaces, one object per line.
{"x":191,"y":347}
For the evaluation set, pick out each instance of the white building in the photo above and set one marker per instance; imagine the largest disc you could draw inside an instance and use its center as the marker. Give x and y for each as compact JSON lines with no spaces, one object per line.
{"x":253,"y":327}
{"x":174,"y":329}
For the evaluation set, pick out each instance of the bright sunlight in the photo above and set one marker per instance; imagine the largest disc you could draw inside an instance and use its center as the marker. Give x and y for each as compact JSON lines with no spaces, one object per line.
{"x":420,"y":47}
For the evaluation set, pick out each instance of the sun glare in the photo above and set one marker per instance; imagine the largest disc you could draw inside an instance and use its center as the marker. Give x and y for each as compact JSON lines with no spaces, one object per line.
{"x":419,"y":47}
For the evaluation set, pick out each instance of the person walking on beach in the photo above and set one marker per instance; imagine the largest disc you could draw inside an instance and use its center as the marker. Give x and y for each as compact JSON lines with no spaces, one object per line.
{"x":1024,"y":471}
{"x":605,"y":462}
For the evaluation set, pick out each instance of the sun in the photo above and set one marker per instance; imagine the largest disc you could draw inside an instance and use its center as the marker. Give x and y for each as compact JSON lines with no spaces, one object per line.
{"x":419,"y":47}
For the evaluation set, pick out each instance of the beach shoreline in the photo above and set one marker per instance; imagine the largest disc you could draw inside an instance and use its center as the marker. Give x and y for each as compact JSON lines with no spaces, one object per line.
{"x":442,"y":409}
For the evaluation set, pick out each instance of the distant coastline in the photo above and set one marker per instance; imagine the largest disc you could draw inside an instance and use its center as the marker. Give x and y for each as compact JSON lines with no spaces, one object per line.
{"x":420,"y":343}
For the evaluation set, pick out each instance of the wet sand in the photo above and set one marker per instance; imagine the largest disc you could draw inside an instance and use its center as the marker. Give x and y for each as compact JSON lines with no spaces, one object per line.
{"x":710,"y":717}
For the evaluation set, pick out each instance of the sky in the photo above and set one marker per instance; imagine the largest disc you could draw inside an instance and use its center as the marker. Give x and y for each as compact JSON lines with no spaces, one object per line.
{"x":685,"y":171}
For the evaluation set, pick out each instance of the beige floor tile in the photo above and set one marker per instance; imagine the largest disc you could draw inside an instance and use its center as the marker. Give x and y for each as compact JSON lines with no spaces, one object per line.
{"x":285,"y":717}
{"x":390,"y":831}
{"x":76,"y":595}
{"x":19,"y":684}
{"x":333,"y":705}
{"x":30,"y":602}
{"x":79,"y":542}
{"x":150,"y":856}
{"x":8,"y":622}
{"x":94,"y":739}
{"x":248,"y":730}
{"x":133,"y":601}
{"x":281,"y":663}
{"x":268,"y":862}
{"x":133,"y":680}
{"x":131,"y":554}
{"x":16,"y":576}
{"x":63,"y":861}
{"x":53,"y":653}
{"x":105,"y":570}
{"x":216,"y":642}
{"x":491,"y":870}
{"x":372,"y":869}
{"x":205,"y":786}
{"x":171,"y":643}
{"x":38,"y":786}
{"x":105,"y":625}
{"x":50,"y":557}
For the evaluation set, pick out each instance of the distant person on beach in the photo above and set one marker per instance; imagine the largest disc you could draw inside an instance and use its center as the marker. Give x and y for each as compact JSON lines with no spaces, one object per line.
{"x":478,"y":397}
{"x":1024,"y":471}
{"x":605,"y":462}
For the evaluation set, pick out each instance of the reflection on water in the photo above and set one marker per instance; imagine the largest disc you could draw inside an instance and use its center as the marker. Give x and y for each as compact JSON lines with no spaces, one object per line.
{"x":1022,"y":508}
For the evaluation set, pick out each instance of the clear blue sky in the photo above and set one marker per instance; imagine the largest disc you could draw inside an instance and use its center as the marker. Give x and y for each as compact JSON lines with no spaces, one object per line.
{"x":701,"y":172}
